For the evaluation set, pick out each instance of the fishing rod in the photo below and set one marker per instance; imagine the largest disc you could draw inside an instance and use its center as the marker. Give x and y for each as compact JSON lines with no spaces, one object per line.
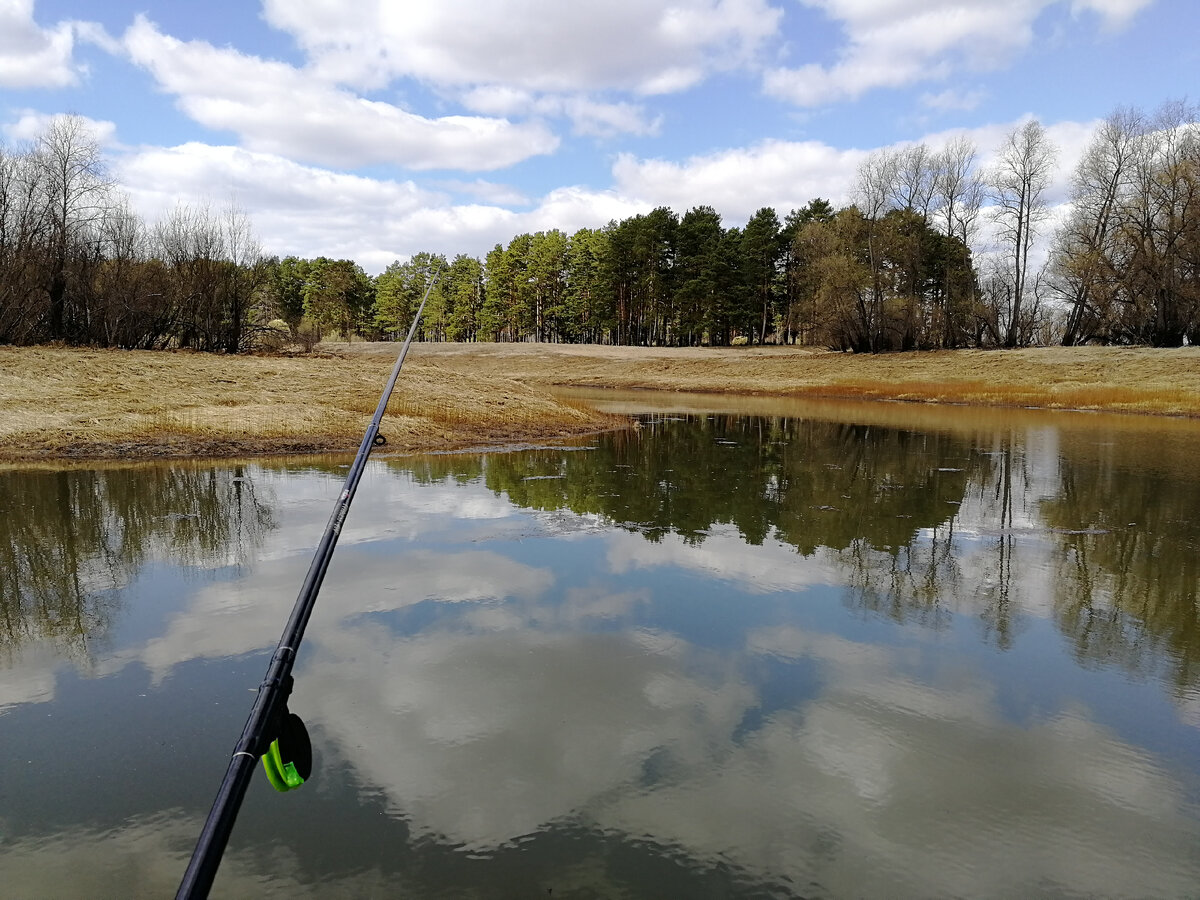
{"x":272,"y":733}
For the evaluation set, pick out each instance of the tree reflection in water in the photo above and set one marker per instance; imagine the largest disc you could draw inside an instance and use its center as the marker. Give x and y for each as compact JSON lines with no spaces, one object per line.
{"x":997,"y":523}
{"x":636,"y":697}
{"x":1128,"y":555}
{"x":71,"y":537}
{"x":924,"y":523}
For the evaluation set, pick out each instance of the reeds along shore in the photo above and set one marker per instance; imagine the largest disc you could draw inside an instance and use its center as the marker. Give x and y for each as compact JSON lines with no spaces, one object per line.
{"x":62,"y":402}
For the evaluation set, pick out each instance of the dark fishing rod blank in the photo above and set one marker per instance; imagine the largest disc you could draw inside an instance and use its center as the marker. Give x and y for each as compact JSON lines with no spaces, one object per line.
{"x":271,"y":729}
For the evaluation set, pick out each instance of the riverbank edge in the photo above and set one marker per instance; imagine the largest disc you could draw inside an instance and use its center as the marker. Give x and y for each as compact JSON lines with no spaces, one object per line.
{"x":1130,"y":381}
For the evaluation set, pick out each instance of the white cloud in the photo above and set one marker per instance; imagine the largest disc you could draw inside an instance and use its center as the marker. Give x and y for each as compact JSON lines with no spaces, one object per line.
{"x":276,"y":108}
{"x":30,"y":674}
{"x":599,"y":119}
{"x":32,"y":56}
{"x":788,"y":174}
{"x":295,"y":209}
{"x":311,"y":211}
{"x":649,"y":46}
{"x":522,"y":58}
{"x":31,"y":124}
{"x":588,"y":115}
{"x":892,"y":43}
{"x":736,"y":182}
{"x":487,"y":191}
{"x":478,"y":739}
{"x":953,"y":99}
{"x":1114,"y":14}
{"x":231,"y":619}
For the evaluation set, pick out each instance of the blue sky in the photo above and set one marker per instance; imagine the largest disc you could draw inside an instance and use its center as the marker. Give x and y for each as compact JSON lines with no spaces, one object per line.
{"x":373,"y":130}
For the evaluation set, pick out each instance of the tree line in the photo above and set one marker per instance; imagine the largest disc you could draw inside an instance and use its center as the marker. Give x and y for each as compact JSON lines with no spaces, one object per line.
{"x":78,"y":265}
{"x":935,"y":251}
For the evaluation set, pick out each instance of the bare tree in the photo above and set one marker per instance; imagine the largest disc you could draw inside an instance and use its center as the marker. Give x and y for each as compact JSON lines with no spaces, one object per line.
{"x":1019,"y":184}
{"x":215,"y":267}
{"x":22,"y":248}
{"x":957,"y":194}
{"x":77,"y":190}
{"x":875,"y":188}
{"x":959,"y":189}
{"x":914,"y":183}
{"x":191,"y":245}
{"x":1160,"y":270}
{"x":1084,"y":250}
{"x":130,"y":285}
{"x":244,"y":274}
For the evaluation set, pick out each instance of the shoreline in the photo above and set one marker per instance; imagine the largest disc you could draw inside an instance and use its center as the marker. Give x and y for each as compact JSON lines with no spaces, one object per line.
{"x":59,"y":403}
{"x":1137,"y":380}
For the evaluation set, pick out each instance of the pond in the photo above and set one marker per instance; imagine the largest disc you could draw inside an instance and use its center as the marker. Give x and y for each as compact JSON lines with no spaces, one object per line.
{"x":747,"y":649}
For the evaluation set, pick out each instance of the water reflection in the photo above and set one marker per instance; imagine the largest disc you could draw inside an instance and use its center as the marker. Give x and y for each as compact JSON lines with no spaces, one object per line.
{"x":1003,"y":523}
{"x":70,"y":538}
{"x":811,"y":484}
{"x":716,"y":656}
{"x":1128,"y":565}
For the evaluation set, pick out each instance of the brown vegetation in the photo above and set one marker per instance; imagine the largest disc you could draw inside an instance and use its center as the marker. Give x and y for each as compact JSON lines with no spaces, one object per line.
{"x":65,"y":402}
{"x":60,"y":402}
{"x":1130,"y":379}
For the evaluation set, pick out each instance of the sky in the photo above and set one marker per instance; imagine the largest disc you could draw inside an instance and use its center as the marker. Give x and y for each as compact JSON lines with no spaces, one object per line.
{"x":373,"y":130}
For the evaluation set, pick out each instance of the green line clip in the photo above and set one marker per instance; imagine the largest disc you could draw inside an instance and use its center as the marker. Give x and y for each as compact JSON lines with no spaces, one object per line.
{"x":288,"y":761}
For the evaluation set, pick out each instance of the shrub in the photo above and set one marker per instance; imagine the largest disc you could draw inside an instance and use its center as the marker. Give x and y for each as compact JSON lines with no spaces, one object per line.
{"x":308,"y":334}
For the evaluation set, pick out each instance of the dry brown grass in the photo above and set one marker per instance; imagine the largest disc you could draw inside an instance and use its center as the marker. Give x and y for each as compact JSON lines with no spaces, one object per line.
{"x":68,"y":402}
{"x":57,"y":402}
{"x":1135,"y":379}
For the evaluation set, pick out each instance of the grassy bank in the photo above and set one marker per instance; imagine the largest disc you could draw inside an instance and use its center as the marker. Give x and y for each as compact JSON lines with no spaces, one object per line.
{"x":1115,"y":379}
{"x":65,"y":402}
{"x":61,"y":402}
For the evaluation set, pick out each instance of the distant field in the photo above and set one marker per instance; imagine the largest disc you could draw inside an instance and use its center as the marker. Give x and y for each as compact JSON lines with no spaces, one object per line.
{"x":62,"y":402}
{"x":1136,"y":380}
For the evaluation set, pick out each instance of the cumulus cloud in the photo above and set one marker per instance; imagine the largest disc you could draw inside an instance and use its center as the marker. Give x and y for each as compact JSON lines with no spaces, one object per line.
{"x":312,"y":211}
{"x":952,"y":99}
{"x":244,"y":616}
{"x":787,"y":174}
{"x":479,"y":738}
{"x":521,"y":58}
{"x":31,"y":124}
{"x":854,"y":782}
{"x":296,"y":209}
{"x":648,"y":46}
{"x":599,"y":119}
{"x":29,"y":677}
{"x":892,"y":43}
{"x":1114,"y":14}
{"x":588,"y":115}
{"x":782,"y":174}
{"x":487,"y":191}
{"x":276,"y":108}
{"x":33,"y":56}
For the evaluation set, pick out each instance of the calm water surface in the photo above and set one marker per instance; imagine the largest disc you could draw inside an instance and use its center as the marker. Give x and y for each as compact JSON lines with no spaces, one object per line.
{"x":811,"y":652}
